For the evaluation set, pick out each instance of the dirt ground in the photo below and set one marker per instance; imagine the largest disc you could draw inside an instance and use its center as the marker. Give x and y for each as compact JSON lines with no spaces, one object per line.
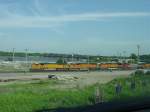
{"x":70,"y":78}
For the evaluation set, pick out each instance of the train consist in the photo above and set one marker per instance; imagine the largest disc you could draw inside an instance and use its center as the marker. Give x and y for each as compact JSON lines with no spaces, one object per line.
{"x":35,"y":67}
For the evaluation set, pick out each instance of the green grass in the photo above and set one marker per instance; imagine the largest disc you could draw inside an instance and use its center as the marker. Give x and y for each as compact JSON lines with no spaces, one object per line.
{"x":127,"y":93}
{"x":31,"y":97}
{"x":38,"y":95}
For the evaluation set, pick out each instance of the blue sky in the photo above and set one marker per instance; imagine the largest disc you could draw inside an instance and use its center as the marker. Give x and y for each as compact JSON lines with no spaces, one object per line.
{"x":97,"y":27}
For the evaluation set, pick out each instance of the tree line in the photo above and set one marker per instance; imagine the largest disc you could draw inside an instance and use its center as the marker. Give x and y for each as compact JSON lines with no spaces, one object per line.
{"x":143,"y":58}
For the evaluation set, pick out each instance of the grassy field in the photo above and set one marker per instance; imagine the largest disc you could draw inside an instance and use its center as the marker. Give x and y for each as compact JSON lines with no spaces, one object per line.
{"x":142,"y":85}
{"x":39,"y":95}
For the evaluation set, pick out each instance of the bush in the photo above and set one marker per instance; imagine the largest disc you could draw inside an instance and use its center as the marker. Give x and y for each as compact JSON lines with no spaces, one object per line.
{"x":61,"y":61}
{"x":147,"y":73}
{"x":139,"y":73}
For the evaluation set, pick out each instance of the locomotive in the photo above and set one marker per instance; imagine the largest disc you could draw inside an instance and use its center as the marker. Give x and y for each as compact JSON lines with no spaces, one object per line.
{"x":86,"y":66}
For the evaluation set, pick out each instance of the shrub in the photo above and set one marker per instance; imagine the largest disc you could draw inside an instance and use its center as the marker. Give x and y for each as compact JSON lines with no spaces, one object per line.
{"x":147,"y":73}
{"x":139,"y":73}
{"x":61,"y":61}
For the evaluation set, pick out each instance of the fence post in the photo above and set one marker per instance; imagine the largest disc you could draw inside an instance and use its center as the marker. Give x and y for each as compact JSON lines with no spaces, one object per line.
{"x":133,"y":85}
{"x":118,"y":89}
{"x":144,"y":87}
{"x":98,"y":95}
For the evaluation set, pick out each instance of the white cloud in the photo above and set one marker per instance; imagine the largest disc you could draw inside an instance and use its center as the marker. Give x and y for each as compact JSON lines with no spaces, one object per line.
{"x":54,"y":21}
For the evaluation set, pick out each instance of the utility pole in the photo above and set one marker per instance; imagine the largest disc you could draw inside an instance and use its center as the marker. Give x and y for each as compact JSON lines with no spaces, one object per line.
{"x":124,"y":53}
{"x":13,"y":56}
{"x":138,"y":48}
{"x":88,"y":59}
{"x":120,"y":57}
{"x":26,"y":55}
{"x":72,"y":58}
{"x":63,"y":60}
{"x":88,"y":63}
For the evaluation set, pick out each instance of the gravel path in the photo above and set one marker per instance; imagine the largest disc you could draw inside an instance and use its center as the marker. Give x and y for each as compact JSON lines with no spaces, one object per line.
{"x":74,"y":78}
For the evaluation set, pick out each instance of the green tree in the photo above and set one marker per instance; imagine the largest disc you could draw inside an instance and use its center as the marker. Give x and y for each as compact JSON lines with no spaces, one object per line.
{"x":61,"y":61}
{"x":133,"y":56}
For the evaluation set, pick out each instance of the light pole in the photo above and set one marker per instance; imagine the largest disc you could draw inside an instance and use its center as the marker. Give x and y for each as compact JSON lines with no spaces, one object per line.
{"x":138,"y":48}
{"x":72,"y":58}
{"x":13,"y":56}
{"x":88,"y":63}
{"x":124,"y":53}
{"x":26,"y":55}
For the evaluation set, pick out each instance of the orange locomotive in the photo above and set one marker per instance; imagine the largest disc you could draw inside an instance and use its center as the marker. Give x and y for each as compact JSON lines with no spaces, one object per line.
{"x":146,"y":66}
{"x":62,"y":67}
{"x":85,"y":66}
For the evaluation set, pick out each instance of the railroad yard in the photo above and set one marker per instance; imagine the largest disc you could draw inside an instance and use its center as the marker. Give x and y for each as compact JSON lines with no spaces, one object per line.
{"x":74,"y":55}
{"x":33,"y":86}
{"x":36,"y":85}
